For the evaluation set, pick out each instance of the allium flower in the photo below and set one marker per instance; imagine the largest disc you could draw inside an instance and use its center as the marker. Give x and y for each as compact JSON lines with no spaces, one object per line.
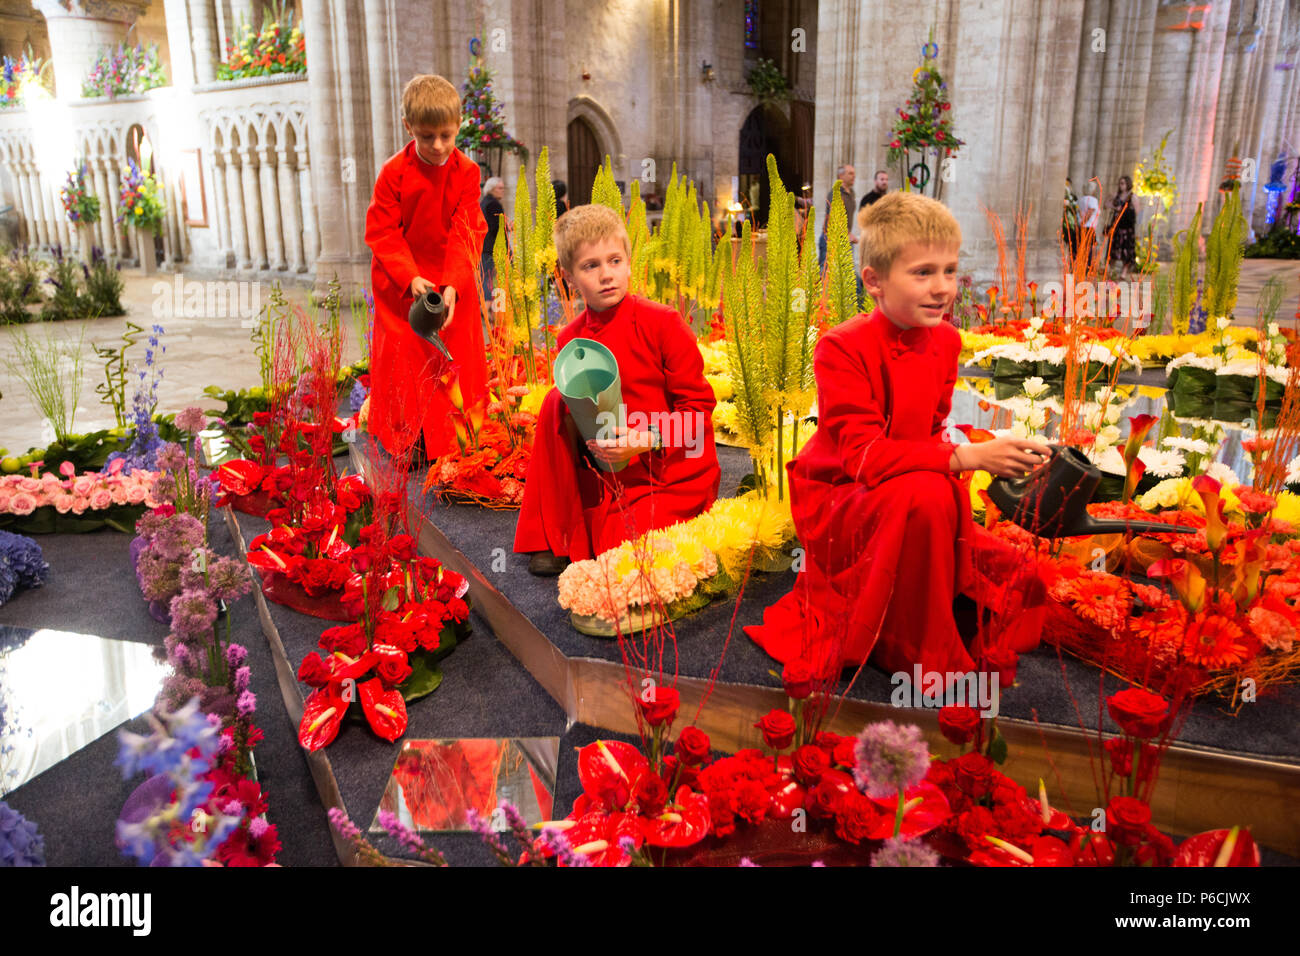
{"x":193,"y":612}
{"x":901,"y":851}
{"x":191,"y":420}
{"x":891,"y":757}
{"x":172,"y":457}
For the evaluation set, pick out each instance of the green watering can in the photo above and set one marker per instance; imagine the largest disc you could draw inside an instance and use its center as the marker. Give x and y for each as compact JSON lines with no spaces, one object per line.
{"x":586,"y":373}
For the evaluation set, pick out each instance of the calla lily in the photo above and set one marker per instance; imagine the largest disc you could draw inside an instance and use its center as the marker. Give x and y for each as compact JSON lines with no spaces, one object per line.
{"x":1215,"y":527}
{"x":1185,"y":579}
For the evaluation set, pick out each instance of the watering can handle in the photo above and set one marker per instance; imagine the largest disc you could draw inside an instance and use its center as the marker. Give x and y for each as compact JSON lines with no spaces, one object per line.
{"x":1045,"y":464}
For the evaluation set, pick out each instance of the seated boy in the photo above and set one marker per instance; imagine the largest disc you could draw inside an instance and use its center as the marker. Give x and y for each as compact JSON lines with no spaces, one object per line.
{"x":884,"y":522}
{"x":426,"y":229}
{"x":571,"y":509}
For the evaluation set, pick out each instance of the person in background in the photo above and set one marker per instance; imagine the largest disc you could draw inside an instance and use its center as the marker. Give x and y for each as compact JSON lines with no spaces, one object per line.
{"x":494,"y":190}
{"x":561,"y":203}
{"x":845,"y":175}
{"x":1070,"y":220}
{"x":1123,"y":229}
{"x":1090,"y":219}
{"x":880,"y":186}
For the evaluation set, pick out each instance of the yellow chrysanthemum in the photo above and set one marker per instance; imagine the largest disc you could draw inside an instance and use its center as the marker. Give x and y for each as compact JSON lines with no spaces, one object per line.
{"x":1288,"y":508}
{"x":721,"y":385}
{"x":979,"y":481}
{"x":532,"y":402}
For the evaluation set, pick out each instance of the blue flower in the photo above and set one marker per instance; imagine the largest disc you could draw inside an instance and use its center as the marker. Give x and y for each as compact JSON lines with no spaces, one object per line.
{"x":20,"y":843}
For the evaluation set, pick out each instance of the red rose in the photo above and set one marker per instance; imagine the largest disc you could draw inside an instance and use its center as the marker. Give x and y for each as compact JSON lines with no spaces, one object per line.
{"x":797,"y":678}
{"x":959,"y":723}
{"x":651,"y":794}
{"x":1049,"y":851}
{"x":810,"y":762}
{"x":1127,"y":819}
{"x":348,"y":639}
{"x":1002,"y":661}
{"x":1157,"y":850}
{"x":844,"y":755}
{"x":393,"y":670}
{"x":973,"y":774}
{"x":1139,"y":712}
{"x":312,"y":671}
{"x":1091,"y":849}
{"x":778,"y":729}
{"x":693,"y":746}
{"x":662,"y":706}
{"x":856,"y":818}
{"x":827,"y":741}
{"x":824,"y":800}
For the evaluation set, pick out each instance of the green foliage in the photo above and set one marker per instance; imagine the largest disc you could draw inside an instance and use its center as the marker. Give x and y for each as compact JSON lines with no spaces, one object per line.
{"x":767,"y":83}
{"x":605,"y":189}
{"x":112,"y":391}
{"x":104,"y":286}
{"x":1160,"y":308}
{"x":746,"y":352}
{"x":51,"y":370}
{"x":544,"y":232}
{"x":1186,"y":256}
{"x":638,"y":234}
{"x":841,"y":281}
{"x":1279,"y":243}
{"x":1223,"y":249}
{"x":67,"y":302}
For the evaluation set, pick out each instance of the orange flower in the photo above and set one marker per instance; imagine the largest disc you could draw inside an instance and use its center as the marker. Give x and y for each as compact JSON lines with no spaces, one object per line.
{"x":1214,"y":642}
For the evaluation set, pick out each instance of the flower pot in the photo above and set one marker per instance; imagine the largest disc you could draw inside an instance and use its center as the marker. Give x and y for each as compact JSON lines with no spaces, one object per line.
{"x":145,"y":250}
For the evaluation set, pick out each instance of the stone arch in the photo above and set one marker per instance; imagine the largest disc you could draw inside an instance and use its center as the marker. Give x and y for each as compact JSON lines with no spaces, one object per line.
{"x":586,"y":108}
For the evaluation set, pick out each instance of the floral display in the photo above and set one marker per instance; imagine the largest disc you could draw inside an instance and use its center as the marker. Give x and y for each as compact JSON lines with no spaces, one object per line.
{"x":925,"y":123}
{"x":21,"y":77}
{"x":124,"y":71}
{"x":21,"y":564}
{"x":21,"y":844}
{"x":140,"y":202}
{"x":79,"y":205}
{"x":483,"y":120}
{"x":75,"y":503}
{"x":278,"y":47}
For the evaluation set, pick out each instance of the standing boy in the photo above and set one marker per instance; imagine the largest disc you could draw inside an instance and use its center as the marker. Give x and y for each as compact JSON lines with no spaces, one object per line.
{"x":426,"y":230}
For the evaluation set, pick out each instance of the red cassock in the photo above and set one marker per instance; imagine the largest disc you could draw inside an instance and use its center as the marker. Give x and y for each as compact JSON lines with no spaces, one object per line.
{"x":424,"y":220}
{"x":573,"y":509}
{"x":885,"y":526}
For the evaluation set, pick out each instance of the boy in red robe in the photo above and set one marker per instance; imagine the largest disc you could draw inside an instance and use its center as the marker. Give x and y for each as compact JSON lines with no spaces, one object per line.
{"x":426,"y":230}
{"x":571,"y":509}
{"x":884,"y":522}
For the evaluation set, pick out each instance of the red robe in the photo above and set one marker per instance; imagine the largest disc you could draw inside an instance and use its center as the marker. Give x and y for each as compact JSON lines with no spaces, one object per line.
{"x":573,"y":509}
{"x":424,"y":220}
{"x":885,"y":526}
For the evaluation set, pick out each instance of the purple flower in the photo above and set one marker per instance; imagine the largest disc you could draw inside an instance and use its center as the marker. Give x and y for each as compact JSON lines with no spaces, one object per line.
{"x":246,"y":704}
{"x":236,"y":654}
{"x":399,"y":831}
{"x":891,"y":758}
{"x":20,"y":843}
{"x":746,"y":861}
{"x":242,"y":675}
{"x":172,"y":457}
{"x":345,"y":827}
{"x":191,"y":420}
{"x":228,"y":578}
{"x":257,"y":827}
{"x":902,"y":851}
{"x":193,"y":613}
{"x":557,"y":843}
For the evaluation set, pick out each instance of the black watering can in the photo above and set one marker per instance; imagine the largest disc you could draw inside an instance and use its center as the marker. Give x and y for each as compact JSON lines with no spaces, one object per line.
{"x":428,"y":314}
{"x":1052,"y":500}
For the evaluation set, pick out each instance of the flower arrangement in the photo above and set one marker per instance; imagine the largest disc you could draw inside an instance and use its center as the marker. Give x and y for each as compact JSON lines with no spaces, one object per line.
{"x":21,"y":565}
{"x":75,"y":503}
{"x":1153,"y":178}
{"x":924,"y":123}
{"x":767,"y":83}
{"x":483,"y":121}
{"x":140,"y":201}
{"x":79,"y":205}
{"x":21,"y":844}
{"x":278,"y":47}
{"x":124,"y":71}
{"x":21,"y":77}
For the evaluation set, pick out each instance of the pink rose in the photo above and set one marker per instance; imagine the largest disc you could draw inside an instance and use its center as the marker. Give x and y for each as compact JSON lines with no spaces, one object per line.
{"x":63,"y":503}
{"x":22,"y":504}
{"x":29,"y":485}
{"x":118,"y":494}
{"x":79,"y":504}
{"x":50,"y":482}
{"x":100,"y":499}
{"x":136,"y":495}
{"x":83,"y":485}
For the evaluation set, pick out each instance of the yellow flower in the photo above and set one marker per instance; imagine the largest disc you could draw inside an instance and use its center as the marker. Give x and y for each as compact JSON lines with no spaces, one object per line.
{"x":1288,"y":508}
{"x":979,"y":481}
{"x":721,"y":384}
{"x":532,"y":402}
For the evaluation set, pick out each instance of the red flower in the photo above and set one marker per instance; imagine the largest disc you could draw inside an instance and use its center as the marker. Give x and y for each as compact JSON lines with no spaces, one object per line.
{"x":1255,"y":502}
{"x":778,"y":729}
{"x":651,"y":794}
{"x":692,"y":746}
{"x":856,"y":818}
{"x":824,"y":800}
{"x":797,"y":679}
{"x":1139,"y":712}
{"x":1213,"y":642}
{"x":1003,"y":662}
{"x":1091,"y":849}
{"x":1049,"y":851}
{"x":1127,"y":819}
{"x":312,"y":671}
{"x":393,"y":670}
{"x":959,"y":723}
{"x":973,"y":774}
{"x":662,"y":706}
{"x":809,"y":763}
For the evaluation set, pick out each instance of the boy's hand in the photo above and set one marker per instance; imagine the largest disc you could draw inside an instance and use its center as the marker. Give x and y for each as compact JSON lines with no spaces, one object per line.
{"x":419,"y":286}
{"x":1003,"y":457}
{"x":449,"y":299}
{"x":624,"y":446}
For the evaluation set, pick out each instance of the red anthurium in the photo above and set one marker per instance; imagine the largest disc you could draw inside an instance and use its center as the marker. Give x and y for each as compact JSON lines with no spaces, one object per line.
{"x":596,"y":836}
{"x":346,"y":668}
{"x":321,"y":716}
{"x":1235,"y":847}
{"x":682,"y":823}
{"x":240,"y":477}
{"x":384,"y":709}
{"x":924,"y":808}
{"x":608,"y":770}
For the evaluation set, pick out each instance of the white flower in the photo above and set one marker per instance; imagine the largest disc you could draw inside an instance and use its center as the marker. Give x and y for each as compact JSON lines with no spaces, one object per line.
{"x":1036,"y":323}
{"x":1113,"y":413}
{"x":1035,"y":387}
{"x":1193,"y":446}
{"x":1019,"y":429}
{"x":1293,"y":471}
{"x":1161,"y":464}
{"x":1106,"y":437}
{"x":1274,"y":330}
{"x":1223,"y":322}
{"x":1222,"y":474}
{"x":1036,"y":418}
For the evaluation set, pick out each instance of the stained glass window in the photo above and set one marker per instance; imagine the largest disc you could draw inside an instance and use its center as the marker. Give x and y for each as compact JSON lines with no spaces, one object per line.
{"x":751,"y":24}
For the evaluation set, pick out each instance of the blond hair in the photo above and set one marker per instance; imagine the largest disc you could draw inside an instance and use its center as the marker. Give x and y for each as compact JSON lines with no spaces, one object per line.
{"x":584,"y":224}
{"x":898,"y":219}
{"x":429,"y":100}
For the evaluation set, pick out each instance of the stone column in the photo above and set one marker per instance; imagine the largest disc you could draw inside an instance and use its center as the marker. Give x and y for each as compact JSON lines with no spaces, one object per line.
{"x":23,"y":174}
{"x":384,"y":105}
{"x":121,"y":233}
{"x":252,"y":207}
{"x":203,"y":33}
{"x":104,"y":228}
{"x":221,"y":208}
{"x":79,"y":30}
{"x":287,"y":189}
{"x":49,"y":203}
{"x":270,"y":208}
{"x":1195,"y":171}
{"x":310,"y":236}
{"x":235,"y":207}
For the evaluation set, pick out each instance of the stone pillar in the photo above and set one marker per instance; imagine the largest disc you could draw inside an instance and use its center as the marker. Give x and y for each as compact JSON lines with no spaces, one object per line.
{"x":287,"y":189}
{"x":49,"y":203}
{"x":310,"y":236}
{"x":203,"y":33}
{"x":104,"y":228}
{"x":120,"y":233}
{"x":249,"y":193}
{"x":221,"y":208}
{"x":384,"y":105}
{"x":235,"y":207}
{"x":1195,"y":171}
{"x":270,"y":208}
{"x":23,"y":174}
{"x":79,"y":30}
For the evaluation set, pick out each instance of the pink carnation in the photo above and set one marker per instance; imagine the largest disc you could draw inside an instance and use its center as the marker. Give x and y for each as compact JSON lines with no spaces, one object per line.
{"x":100,"y":499}
{"x":22,"y":504}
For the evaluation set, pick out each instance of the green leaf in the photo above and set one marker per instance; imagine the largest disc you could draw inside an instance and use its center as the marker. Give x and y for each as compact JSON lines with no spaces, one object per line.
{"x":998,"y":747}
{"x":425,"y":677}
{"x":391,"y":598}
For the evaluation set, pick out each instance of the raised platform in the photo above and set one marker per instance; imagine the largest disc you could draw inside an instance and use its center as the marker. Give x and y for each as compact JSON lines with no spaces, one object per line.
{"x":1222,"y":770}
